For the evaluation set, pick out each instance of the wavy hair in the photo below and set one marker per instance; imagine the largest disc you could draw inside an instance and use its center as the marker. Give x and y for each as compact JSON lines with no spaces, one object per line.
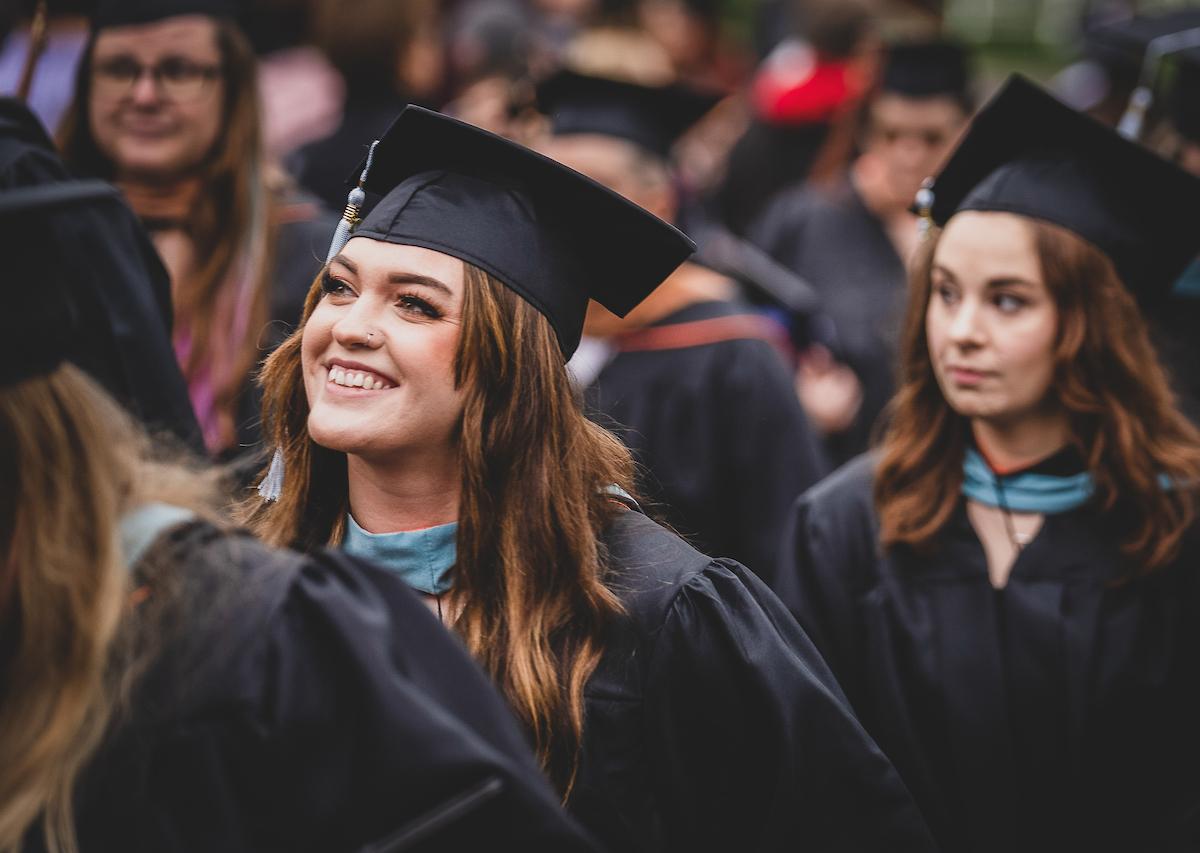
{"x":530,"y":595}
{"x":1121,"y":412}
{"x":231,"y":224}
{"x":72,"y":462}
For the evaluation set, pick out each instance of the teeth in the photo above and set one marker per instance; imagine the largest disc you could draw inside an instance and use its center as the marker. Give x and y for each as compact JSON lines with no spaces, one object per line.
{"x":348,"y":379}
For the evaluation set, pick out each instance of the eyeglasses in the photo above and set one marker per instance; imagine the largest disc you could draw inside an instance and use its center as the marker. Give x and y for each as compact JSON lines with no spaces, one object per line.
{"x":177,"y":79}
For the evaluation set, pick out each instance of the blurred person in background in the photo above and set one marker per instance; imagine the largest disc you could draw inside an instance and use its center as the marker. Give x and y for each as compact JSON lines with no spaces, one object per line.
{"x":851,"y":239}
{"x":690,"y":379}
{"x":170,"y":684}
{"x":166,"y":108}
{"x":802,"y":108}
{"x":389,"y":54}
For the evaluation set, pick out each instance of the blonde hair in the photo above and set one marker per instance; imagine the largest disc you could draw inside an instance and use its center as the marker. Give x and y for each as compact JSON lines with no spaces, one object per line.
{"x":75,"y":463}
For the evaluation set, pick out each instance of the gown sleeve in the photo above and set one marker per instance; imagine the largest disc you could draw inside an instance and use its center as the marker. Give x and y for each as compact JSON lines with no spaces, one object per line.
{"x":341,"y":717}
{"x":747,"y":721}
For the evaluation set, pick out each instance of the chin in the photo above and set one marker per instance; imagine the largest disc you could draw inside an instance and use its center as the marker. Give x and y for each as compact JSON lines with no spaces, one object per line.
{"x":338,"y":434}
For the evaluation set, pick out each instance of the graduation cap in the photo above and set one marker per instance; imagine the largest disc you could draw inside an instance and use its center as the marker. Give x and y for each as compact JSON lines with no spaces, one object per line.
{"x":552,"y":235}
{"x":1183,"y":101}
{"x":40,"y":317}
{"x":926,"y":69}
{"x":122,"y":13}
{"x":1028,"y":153}
{"x":652,"y":117}
{"x":1133,"y":50}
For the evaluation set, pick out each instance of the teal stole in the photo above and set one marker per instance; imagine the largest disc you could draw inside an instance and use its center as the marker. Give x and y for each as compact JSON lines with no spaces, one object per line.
{"x":423,"y":558}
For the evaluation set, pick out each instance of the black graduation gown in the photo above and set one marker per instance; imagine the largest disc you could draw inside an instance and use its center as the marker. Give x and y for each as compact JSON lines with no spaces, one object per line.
{"x":725,"y":444}
{"x":1060,"y":713}
{"x":310,"y":704}
{"x":713,"y":724}
{"x":121,"y":287}
{"x":829,"y":238}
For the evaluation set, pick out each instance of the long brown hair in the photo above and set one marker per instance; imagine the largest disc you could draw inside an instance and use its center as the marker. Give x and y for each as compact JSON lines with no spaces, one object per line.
{"x":72,"y":462}
{"x":1107,"y":377}
{"x":530,"y":592}
{"x":231,"y":224}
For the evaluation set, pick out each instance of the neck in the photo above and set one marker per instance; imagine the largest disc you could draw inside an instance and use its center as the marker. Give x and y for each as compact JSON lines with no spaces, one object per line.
{"x":151,"y":199}
{"x":691,"y":284}
{"x":1010,"y":446}
{"x":405,"y":494}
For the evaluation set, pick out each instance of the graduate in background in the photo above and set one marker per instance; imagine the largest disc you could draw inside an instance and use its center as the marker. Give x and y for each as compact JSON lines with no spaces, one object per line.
{"x":852,"y":238}
{"x":166,"y":107}
{"x":1009,"y":591}
{"x":692,"y":379}
{"x":424,"y":415}
{"x":172,"y":685}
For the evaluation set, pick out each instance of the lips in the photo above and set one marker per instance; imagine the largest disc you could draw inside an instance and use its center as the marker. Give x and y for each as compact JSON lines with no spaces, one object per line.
{"x":967,"y":375}
{"x":355,"y":375}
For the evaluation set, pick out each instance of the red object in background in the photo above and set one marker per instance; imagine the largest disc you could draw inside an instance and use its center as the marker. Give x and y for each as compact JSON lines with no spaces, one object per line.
{"x":797,"y":85}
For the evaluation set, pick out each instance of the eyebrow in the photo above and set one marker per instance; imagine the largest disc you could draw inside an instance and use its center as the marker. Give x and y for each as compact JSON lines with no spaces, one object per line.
{"x":1002,"y":281}
{"x":399,"y":277}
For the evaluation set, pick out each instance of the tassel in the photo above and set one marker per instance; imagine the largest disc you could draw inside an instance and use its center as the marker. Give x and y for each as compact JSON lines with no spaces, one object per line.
{"x":924,"y":206}
{"x":271,"y":486}
{"x":350,"y":216}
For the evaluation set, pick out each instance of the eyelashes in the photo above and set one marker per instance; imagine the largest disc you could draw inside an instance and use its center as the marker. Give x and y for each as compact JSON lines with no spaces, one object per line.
{"x":408,"y":303}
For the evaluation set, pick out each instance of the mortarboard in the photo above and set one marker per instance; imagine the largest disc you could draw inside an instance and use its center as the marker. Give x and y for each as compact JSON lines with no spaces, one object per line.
{"x":1028,"y":153}
{"x":552,"y":235}
{"x":1183,"y":100}
{"x":926,"y":69}
{"x":121,"y":13}
{"x":1133,"y":49}
{"x":40,"y":317}
{"x":652,"y":117}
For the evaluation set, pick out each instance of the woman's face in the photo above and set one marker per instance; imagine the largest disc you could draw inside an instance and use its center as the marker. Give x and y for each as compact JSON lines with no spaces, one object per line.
{"x":156,"y":96}
{"x":378,"y":351}
{"x":991,"y":324}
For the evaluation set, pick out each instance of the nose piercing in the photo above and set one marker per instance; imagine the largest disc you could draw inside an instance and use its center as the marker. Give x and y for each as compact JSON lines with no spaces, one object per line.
{"x":369,"y":334}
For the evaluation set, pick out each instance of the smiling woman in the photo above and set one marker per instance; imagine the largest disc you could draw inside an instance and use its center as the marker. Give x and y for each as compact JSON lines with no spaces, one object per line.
{"x":671,"y":699}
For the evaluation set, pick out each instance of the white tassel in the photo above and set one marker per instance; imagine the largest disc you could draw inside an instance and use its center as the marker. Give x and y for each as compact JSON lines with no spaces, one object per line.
{"x":350,"y":216}
{"x":271,"y":486}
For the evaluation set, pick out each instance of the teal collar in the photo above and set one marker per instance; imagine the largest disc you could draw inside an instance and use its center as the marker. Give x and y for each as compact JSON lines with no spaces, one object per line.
{"x":1040,"y":489}
{"x":422,"y":558}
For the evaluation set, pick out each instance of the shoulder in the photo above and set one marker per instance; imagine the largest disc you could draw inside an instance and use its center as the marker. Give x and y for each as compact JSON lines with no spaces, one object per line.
{"x":656,"y":573}
{"x":649,"y":564}
{"x":848,"y":489}
{"x":836,"y":518}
